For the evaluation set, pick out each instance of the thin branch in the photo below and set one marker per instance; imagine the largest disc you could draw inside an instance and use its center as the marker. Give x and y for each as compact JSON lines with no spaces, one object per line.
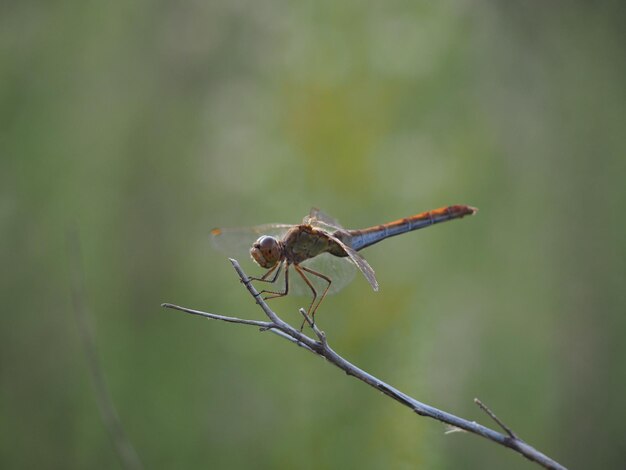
{"x":284,"y":335}
{"x":322,"y":348}
{"x":493,"y":416}
{"x":261,"y":324}
{"x":320,"y":334}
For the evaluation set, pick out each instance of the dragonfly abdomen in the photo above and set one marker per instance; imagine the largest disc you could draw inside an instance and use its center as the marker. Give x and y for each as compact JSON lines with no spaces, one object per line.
{"x":366,"y":237}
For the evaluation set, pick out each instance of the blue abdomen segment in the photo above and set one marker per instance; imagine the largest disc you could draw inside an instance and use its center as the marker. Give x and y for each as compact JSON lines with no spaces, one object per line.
{"x":363,"y":238}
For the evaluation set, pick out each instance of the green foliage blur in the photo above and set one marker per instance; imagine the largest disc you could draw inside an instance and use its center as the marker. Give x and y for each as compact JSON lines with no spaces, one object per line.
{"x":143,"y":125}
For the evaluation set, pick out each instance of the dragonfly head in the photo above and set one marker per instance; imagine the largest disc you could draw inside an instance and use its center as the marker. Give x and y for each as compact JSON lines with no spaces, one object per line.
{"x":267,"y":251}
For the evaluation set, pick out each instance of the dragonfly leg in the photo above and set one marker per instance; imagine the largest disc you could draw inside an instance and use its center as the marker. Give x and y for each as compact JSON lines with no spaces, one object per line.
{"x":308,"y":283}
{"x":265,"y":276}
{"x":313,"y":307}
{"x":321,"y":276}
{"x":274,"y":294}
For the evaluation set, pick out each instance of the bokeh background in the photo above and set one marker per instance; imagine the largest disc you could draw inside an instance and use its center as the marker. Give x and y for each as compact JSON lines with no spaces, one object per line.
{"x":139,"y":126}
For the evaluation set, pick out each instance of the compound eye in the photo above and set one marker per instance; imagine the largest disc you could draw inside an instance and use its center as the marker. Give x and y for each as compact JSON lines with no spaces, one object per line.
{"x":266,"y":251}
{"x":267,"y":243}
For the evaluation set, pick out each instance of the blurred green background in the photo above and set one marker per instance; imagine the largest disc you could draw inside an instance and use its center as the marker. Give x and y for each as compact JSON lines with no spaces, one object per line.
{"x":142,"y":125}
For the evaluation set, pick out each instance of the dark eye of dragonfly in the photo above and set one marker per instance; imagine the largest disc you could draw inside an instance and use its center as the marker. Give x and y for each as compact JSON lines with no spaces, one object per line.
{"x":266,"y":251}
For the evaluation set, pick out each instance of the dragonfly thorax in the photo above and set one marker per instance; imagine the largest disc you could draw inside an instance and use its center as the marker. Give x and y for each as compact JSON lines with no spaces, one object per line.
{"x":267,"y":251}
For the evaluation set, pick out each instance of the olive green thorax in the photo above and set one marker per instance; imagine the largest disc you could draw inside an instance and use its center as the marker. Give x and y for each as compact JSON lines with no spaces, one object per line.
{"x":304,"y":242}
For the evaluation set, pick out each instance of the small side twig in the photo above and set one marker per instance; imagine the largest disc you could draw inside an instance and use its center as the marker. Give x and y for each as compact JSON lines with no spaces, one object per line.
{"x":320,"y":347}
{"x":265,"y":325}
{"x":493,"y":416}
{"x":320,"y":334}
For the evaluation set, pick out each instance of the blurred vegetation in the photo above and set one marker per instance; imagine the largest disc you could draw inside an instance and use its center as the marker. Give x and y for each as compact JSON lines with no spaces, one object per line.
{"x":144,"y":125}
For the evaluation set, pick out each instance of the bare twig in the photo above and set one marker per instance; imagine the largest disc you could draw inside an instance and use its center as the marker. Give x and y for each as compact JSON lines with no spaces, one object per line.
{"x":321,"y":348}
{"x":320,"y":334}
{"x":493,"y":416}
{"x":261,"y":324}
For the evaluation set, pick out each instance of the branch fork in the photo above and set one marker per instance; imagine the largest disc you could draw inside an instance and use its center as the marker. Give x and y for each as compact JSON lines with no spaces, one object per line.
{"x":320,"y":347}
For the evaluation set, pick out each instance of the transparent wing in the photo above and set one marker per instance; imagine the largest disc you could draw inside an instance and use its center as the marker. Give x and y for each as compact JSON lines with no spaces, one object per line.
{"x":340,"y":270}
{"x":236,"y":242}
{"x":317,"y":218}
{"x":361,"y":263}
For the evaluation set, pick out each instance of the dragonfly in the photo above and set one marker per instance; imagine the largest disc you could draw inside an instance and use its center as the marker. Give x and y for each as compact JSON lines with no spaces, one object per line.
{"x":321,"y":252}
